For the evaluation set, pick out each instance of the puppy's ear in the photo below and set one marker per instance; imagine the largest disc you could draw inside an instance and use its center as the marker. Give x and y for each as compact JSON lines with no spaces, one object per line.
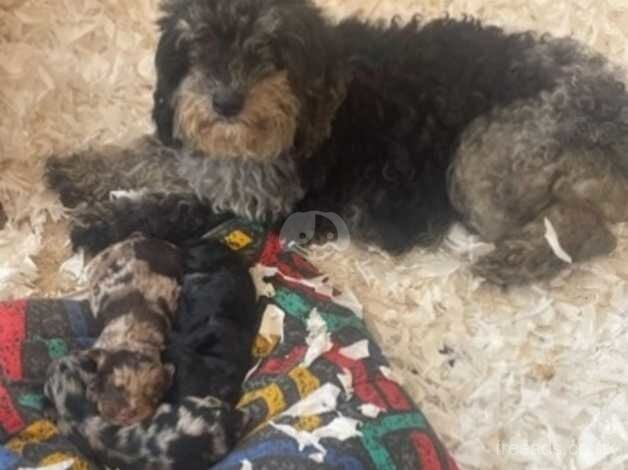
{"x":172,"y":64}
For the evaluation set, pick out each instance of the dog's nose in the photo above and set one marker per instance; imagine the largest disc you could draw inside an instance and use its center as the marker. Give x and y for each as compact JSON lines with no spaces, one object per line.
{"x":228,"y":102}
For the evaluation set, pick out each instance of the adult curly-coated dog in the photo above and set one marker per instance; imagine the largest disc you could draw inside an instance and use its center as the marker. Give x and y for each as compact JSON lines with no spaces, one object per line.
{"x":264,"y":107}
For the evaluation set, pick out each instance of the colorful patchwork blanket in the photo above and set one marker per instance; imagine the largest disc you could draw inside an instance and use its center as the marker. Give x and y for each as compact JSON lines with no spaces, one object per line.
{"x":321,"y":394}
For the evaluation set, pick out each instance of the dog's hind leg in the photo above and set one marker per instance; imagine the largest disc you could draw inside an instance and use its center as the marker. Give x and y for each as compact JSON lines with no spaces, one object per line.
{"x":528,"y":255}
{"x":513,"y":171}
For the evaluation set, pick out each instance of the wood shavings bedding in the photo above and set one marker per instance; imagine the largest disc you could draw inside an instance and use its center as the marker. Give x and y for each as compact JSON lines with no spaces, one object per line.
{"x":527,"y":378}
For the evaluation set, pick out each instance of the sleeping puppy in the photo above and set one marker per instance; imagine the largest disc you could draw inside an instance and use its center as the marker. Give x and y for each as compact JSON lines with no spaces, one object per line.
{"x":216,"y":325}
{"x":190,"y":435}
{"x":211,"y":346}
{"x":134,"y":288}
{"x":133,"y":293}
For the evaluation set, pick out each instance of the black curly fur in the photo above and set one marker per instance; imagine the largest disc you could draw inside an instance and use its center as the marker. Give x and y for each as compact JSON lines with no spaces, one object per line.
{"x":402,"y":128}
{"x":412,"y":104}
{"x":411,"y":92}
{"x":216,"y":325}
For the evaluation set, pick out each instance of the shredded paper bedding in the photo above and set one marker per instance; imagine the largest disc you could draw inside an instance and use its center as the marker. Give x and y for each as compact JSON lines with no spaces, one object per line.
{"x":525,"y":378}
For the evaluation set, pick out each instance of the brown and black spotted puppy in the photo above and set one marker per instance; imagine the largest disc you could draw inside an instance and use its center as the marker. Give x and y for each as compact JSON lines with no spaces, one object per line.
{"x":133,"y":292}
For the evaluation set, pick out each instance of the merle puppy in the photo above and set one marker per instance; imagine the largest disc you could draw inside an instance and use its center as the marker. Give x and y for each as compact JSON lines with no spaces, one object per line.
{"x":264,"y":107}
{"x":134,"y":288}
{"x":190,"y":435}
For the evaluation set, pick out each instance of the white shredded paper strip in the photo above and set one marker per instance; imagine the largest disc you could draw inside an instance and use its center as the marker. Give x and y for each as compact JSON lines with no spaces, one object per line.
{"x":246,"y":465}
{"x":272,"y":323}
{"x":387,"y":372}
{"x":303,"y":438}
{"x":58,"y":466}
{"x":322,"y":400}
{"x":370,"y":411}
{"x":318,"y":339}
{"x":357,"y":351}
{"x":340,"y":428}
{"x":552,"y":238}
{"x":318,"y":457}
{"x":346,"y":380}
{"x":259,"y":273}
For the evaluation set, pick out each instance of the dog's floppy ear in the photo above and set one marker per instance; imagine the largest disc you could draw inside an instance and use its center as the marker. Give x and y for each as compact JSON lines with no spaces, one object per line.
{"x":171,"y":63}
{"x":311,"y":53}
{"x":323,"y":100}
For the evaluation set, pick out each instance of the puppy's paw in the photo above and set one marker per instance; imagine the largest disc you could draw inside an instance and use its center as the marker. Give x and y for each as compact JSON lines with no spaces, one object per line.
{"x":59,"y":177}
{"x":90,"y":233}
{"x":50,"y":413}
{"x":518,"y":262}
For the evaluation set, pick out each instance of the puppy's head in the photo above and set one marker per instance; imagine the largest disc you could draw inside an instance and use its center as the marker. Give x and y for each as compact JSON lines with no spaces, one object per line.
{"x":245,"y":78}
{"x":128,"y":386}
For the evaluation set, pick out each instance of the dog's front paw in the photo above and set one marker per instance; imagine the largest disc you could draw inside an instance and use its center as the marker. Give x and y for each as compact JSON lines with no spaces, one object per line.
{"x":518,"y":262}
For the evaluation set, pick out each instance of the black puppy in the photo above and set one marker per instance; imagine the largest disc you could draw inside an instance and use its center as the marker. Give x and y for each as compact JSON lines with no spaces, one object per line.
{"x":217,"y":323}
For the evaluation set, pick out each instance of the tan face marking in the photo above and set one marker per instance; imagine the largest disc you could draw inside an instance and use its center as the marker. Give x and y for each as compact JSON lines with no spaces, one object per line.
{"x":264,"y":128}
